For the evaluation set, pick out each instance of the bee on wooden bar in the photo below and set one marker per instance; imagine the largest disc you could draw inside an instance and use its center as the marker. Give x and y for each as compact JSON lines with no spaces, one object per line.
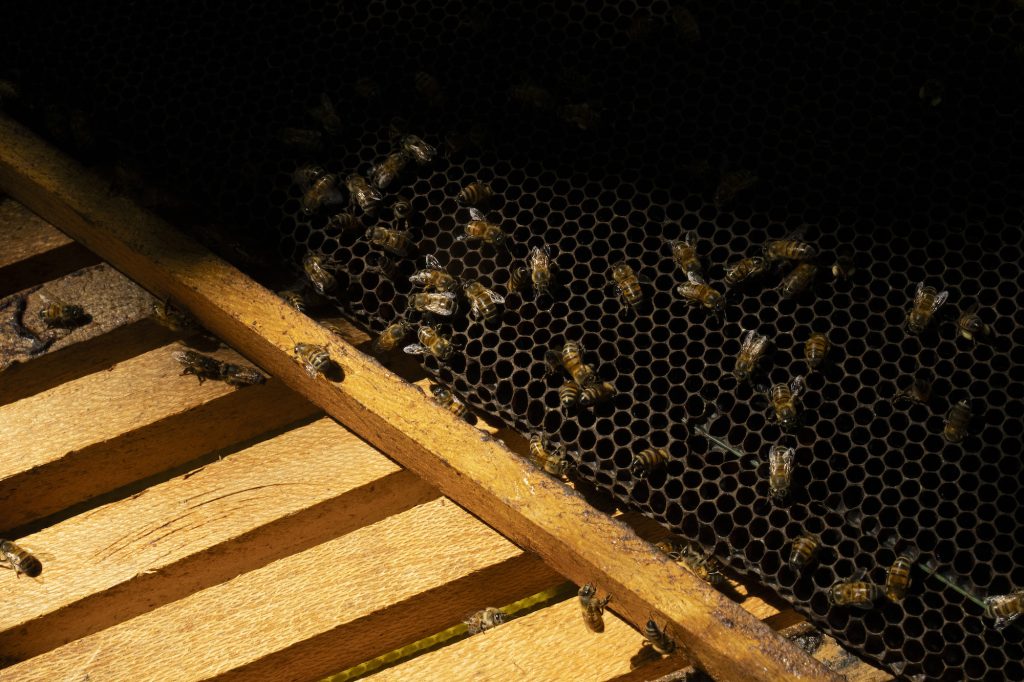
{"x":433,"y":276}
{"x":392,"y":335}
{"x":596,"y":393}
{"x":701,"y":564}
{"x":569,"y":394}
{"x":444,"y":397}
{"x":551,"y":459}
{"x":592,"y":607}
{"x":385,"y":172}
{"x":295,"y":299}
{"x":919,"y":391}
{"x":798,"y":280}
{"x":780,"y":471}
{"x":203,"y":367}
{"x":971,"y":327}
{"x":239,"y":375}
{"x":897,"y":580}
{"x":478,"y":228}
{"x":647,"y":461}
{"x":321,"y":188}
{"x":697,"y":292}
{"x":1005,"y":608}
{"x":430,"y":89}
{"x":789,"y":248}
{"x":783,"y":397}
{"x":926,"y":301}
{"x":752,"y":350}
{"x":571,"y":359}
{"x":532,"y":95}
{"x":439,"y":303}
{"x":627,"y":285}
{"x":366,"y":197}
{"x":20,"y":560}
{"x":476,"y":194}
{"x":418,"y":150}
{"x":484,"y":620}
{"x":745,"y":270}
{"x":732,"y":185}
{"x":815,"y":349}
{"x":805,"y":548}
{"x":397,"y":242}
{"x":172,"y":317}
{"x":957,"y":420}
{"x":658,"y":638}
{"x":315,"y":266}
{"x":684,"y":253}
{"x":431,"y":342}
{"x":57,"y":313}
{"x":325,"y":114}
{"x":858,"y":593}
{"x":343,"y":222}
{"x":314,"y":359}
{"x":482,"y":301}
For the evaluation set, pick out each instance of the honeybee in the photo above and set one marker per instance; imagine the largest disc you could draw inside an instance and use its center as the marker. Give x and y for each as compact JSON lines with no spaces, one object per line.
{"x":444,"y":397}
{"x":518,"y":278}
{"x":815,"y":349}
{"x":971,"y":326}
{"x":658,"y":638}
{"x":344,"y":221}
{"x":385,"y":172}
{"x":483,"y":303}
{"x":202,"y":366}
{"x":239,"y":375}
{"x":430,"y":89}
{"x":334,"y":326}
{"x":366,"y":88}
{"x":592,"y":607}
{"x":315,"y":267}
{"x":21,"y":561}
{"x":854,"y":593}
{"x":326,"y":115}
{"x":381,"y":263}
{"x":431,"y":342}
{"x":551,"y":459}
{"x":1005,"y":608}
{"x":843,"y":268}
{"x":747,"y":269}
{"x":584,"y":115}
{"x":596,"y":393}
{"x":56,"y":313}
{"x":926,"y":302}
{"x":532,"y":95}
{"x":295,"y":299}
{"x":365,"y":196}
{"x":418,"y":150}
{"x":957,"y":420}
{"x":731,"y":185}
{"x":571,"y":359}
{"x":479,"y":228}
{"x":696,"y":292}
{"x":783,"y":397}
{"x":789,"y":248}
{"x":751,"y":352}
{"x":684,"y":253}
{"x":476,"y":194}
{"x":627,"y":285}
{"x":484,"y":620}
{"x":569,"y":394}
{"x":392,"y":335}
{"x":315,"y":359}
{"x":805,"y":548}
{"x":539,"y":263}
{"x":434,"y":276}
{"x":920,"y":391}
{"x":439,"y":303}
{"x":321,"y":188}
{"x":172,"y":317}
{"x":897,"y":580}
{"x":401,"y":209}
{"x":700,"y":563}
{"x":301,"y":139}
{"x":797,"y":281}
{"x":931,"y":92}
{"x":393,"y":241}
{"x":686,"y":24}
{"x":646,"y":461}
{"x":780,"y":471}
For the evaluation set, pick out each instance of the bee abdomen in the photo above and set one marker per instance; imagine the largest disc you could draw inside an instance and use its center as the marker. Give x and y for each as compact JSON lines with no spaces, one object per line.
{"x":648,"y":461}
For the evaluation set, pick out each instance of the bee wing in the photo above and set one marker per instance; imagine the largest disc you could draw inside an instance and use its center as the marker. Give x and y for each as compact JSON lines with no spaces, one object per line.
{"x":939,"y":300}
{"x":918,"y":292}
{"x":748,"y":341}
{"x":432,"y":262}
{"x":416,"y":349}
{"x":476,"y":214}
{"x":442,"y":303}
{"x":690,"y":238}
{"x":797,"y":386}
{"x":494,"y":296}
{"x":781,"y":457}
{"x":695,"y":278}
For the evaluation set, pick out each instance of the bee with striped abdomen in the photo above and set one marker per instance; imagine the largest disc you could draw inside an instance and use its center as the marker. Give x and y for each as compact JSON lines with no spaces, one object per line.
{"x":430,"y":89}
{"x":439,"y":303}
{"x":240,"y":375}
{"x":684,"y":253}
{"x":418,"y":150}
{"x":476,"y":194}
{"x":568,"y":394}
{"x":782,"y":397}
{"x":551,"y":459}
{"x":805,"y":549}
{"x":483,"y":302}
{"x":365,"y":197}
{"x":957,"y":420}
{"x":57,"y":313}
{"x":314,"y":359}
{"x":1005,"y":608}
{"x":703,"y":565}
{"x":596,"y":393}
{"x":518,"y":278}
{"x":627,"y":285}
{"x":789,"y":248}
{"x":433,"y":276}
{"x":294,"y":298}
{"x":201,"y":366}
{"x":19,"y":560}
{"x":698,"y":292}
{"x":858,"y":593}
{"x":431,"y":342}
{"x":897,"y":580}
{"x":539,"y":263}
{"x":745,"y":270}
{"x":316,"y":268}
{"x":484,"y":620}
{"x":571,"y":359}
{"x":388,"y":169}
{"x":444,"y":397}
{"x":478,"y":228}
{"x":780,"y":471}
{"x":926,"y":301}
{"x":815,"y":349}
{"x":343,"y":222}
{"x":798,"y":280}
{"x":658,"y":638}
{"x":397,"y":242}
{"x":392,"y":335}
{"x":920,"y":389}
{"x":320,"y":188}
{"x":971,"y":327}
{"x":752,"y":350}
{"x":731,"y":185}
{"x":592,"y":607}
{"x":647,"y":461}
{"x":172,"y":317}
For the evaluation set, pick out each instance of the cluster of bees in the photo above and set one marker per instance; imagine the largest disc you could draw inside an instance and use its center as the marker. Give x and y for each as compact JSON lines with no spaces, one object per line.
{"x":658,"y":642}
{"x":204,"y":367}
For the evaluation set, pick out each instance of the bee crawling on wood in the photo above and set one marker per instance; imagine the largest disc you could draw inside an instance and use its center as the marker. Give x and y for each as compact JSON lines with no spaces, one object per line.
{"x":1004,"y":608}
{"x":484,"y":620}
{"x":431,"y":342}
{"x":240,"y":375}
{"x":392,"y":335}
{"x":658,"y":638}
{"x":592,"y":607}
{"x":444,"y":397}
{"x":20,"y":560}
{"x":552,"y":459}
{"x":705,"y":566}
{"x":172,"y":317}
{"x":294,"y":298}
{"x":57,"y":313}
{"x":203,"y":367}
{"x":314,"y":359}
{"x":483,"y":302}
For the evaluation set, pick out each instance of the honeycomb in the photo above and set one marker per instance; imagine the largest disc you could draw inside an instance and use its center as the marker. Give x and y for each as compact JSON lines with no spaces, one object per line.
{"x":886,"y":130}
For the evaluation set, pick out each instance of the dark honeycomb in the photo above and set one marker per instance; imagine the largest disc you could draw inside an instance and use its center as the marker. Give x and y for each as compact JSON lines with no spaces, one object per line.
{"x":821,"y":103}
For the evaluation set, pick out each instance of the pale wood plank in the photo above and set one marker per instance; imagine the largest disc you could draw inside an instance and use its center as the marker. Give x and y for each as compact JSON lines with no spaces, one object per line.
{"x":231,"y":516}
{"x":97,"y":433}
{"x":526,"y":505}
{"x":315,"y":612}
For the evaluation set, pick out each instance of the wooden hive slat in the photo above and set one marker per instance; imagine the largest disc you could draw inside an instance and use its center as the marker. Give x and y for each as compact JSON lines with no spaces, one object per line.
{"x":107,"y":429}
{"x":524,"y":504}
{"x":199,"y":529}
{"x":314,"y":612}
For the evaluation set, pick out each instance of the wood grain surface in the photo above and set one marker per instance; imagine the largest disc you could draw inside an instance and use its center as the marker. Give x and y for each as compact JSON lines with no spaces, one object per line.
{"x":507,"y":492}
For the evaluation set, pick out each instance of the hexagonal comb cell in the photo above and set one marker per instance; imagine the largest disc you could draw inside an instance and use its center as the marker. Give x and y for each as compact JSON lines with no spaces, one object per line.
{"x":670,"y":138}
